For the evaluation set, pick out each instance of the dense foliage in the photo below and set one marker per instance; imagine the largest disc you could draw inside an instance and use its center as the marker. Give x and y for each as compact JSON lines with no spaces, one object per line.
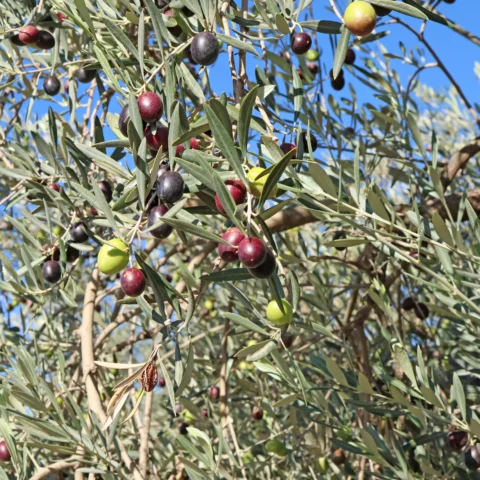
{"x":268,"y":277}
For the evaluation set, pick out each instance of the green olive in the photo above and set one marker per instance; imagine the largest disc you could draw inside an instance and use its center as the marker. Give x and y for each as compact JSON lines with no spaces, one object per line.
{"x":275,"y":314}
{"x":113,"y":257}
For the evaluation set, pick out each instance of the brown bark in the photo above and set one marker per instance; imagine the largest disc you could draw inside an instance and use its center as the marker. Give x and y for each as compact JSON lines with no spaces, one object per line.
{"x":459,"y":161}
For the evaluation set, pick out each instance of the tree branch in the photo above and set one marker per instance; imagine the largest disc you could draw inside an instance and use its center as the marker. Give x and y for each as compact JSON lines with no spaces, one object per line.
{"x":454,"y":26}
{"x":88,"y":364}
{"x":459,"y":161}
{"x":56,"y":467}
{"x":145,"y":434}
{"x":444,"y":69}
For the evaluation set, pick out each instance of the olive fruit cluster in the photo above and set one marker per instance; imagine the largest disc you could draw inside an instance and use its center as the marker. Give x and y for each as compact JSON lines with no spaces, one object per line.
{"x":420,"y":309}
{"x":312,"y":57}
{"x":31,"y":35}
{"x":459,"y":440}
{"x":251,"y":252}
{"x":44,"y":40}
{"x":51,"y":269}
{"x":51,"y":83}
{"x":113,"y":256}
{"x":169,"y":188}
{"x":150,"y":107}
{"x":112,"y":259}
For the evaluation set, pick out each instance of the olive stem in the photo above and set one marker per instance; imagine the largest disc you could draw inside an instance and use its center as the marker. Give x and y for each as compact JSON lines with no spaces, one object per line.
{"x":336,"y":11}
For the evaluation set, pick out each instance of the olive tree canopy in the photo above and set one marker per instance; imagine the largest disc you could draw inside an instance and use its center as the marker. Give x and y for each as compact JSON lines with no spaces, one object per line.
{"x":240,"y":240}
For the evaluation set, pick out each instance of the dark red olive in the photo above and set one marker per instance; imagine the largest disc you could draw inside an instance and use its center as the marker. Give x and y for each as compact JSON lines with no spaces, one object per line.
{"x":339,"y":236}
{"x":252,"y":252}
{"x":340,"y":74}
{"x":29,"y":35}
{"x":287,"y":339}
{"x":151,"y":200}
{"x":313,"y":68}
{"x":55,"y":186}
{"x":133,"y":282}
{"x":194,"y":145}
{"x":123,"y":120}
{"x":233,"y":236}
{"x":214,"y":393}
{"x":300,"y":43}
{"x":85,"y":76}
{"x":52,"y":252}
{"x":287,"y":147}
{"x":176,"y":31}
{"x":338,"y":457}
{"x":257,"y":413}
{"x":72,"y":253}
{"x":4,"y":452}
{"x":190,"y":58}
{"x":157,"y":139}
{"x":421,"y":311}
{"x":382,"y":11}
{"x":338,"y":84}
{"x":155,"y":215}
{"x":15,"y":39}
{"x":238,"y":191}
{"x":162,"y":382}
{"x":313,"y":141}
{"x":150,"y":106}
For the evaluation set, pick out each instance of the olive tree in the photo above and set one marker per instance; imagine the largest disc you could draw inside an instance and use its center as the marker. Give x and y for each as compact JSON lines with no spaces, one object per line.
{"x":239,"y":241}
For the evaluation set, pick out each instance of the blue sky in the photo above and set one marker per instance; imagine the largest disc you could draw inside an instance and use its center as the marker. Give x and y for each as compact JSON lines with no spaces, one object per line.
{"x":457,"y":53}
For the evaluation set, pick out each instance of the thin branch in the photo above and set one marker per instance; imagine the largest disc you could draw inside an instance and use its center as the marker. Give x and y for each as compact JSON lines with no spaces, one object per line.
{"x":223,"y":380}
{"x":237,"y":87}
{"x":88,"y":364}
{"x":454,"y":26}
{"x":145,"y":434}
{"x":444,"y":69}
{"x":459,"y":161}
{"x":336,"y":11}
{"x":57,"y":467}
